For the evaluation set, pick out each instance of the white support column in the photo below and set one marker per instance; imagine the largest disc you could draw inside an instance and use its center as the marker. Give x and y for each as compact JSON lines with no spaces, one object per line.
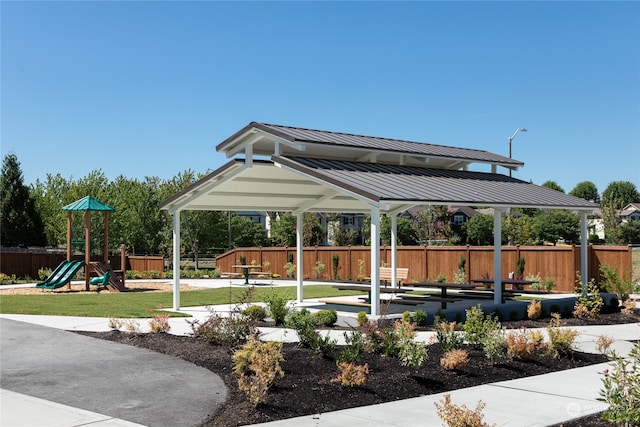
{"x":299,"y":254}
{"x":497,"y":256}
{"x":394,"y":249}
{"x":176,"y":260}
{"x":375,"y":261}
{"x":584,"y":253}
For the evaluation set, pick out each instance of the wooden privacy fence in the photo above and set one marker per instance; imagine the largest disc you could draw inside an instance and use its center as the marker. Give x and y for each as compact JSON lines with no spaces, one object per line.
{"x":27,"y":264}
{"x":425,"y":263}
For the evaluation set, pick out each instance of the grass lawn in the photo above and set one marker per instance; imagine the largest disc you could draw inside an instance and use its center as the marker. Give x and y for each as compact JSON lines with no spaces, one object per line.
{"x":141,"y":304}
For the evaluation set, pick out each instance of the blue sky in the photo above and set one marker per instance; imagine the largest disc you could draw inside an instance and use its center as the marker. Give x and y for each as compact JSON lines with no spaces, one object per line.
{"x":150,"y":88}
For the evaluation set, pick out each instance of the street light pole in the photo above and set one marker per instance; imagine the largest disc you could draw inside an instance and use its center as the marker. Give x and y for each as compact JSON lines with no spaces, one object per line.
{"x":511,"y":139}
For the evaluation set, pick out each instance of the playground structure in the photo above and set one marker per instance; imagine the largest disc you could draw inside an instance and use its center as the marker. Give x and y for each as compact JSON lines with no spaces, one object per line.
{"x":113,"y":280}
{"x":61,"y":275}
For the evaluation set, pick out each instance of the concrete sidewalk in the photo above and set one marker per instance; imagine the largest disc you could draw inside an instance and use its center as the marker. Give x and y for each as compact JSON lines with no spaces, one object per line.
{"x":37,"y":350}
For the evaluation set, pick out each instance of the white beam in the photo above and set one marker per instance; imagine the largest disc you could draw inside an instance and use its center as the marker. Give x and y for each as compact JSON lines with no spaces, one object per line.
{"x":584,"y":253}
{"x":375,"y":261}
{"x":311,"y":203}
{"x":394,"y":250}
{"x":176,"y":260}
{"x":299,"y":254}
{"x":497,"y":256}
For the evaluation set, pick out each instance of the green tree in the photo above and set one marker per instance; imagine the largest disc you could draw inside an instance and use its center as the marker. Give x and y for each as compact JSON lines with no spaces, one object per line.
{"x":50,"y":196}
{"x":618,"y":194}
{"x":283,"y":231}
{"x":479,"y":230}
{"x":553,"y":185}
{"x":431,"y":223}
{"x":405,"y":232}
{"x":557,"y":224}
{"x":246,"y":233}
{"x":629,"y":233}
{"x":138,"y":220}
{"x":586,"y":190}
{"x":20,"y":224}
{"x":518,"y":230}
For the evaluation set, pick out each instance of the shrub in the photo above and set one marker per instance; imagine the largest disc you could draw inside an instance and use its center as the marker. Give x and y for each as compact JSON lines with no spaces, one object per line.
{"x":351,"y":375}
{"x":420,"y":317}
{"x":454,"y":359}
{"x":159,"y":322}
{"x":603,"y":343}
{"x":257,"y":364}
{"x":131,"y":326}
{"x":304,"y":324}
{"x":406,"y":316}
{"x":494,"y":345}
{"x":534,"y":309}
{"x":588,"y":304}
{"x":514,"y":315}
{"x":409,"y":351}
{"x":318,"y":269}
{"x":612,"y":282}
{"x":115,"y":324}
{"x":43,"y":273}
{"x":477,"y":325}
{"x":325,"y":317}
{"x":6,"y":279}
{"x":629,"y":307}
{"x":277,"y":307}
{"x":354,"y":347}
{"x":560,"y":340}
{"x":460,"y":416}
{"x":447,"y":335}
{"x":233,"y":330}
{"x":519,"y":344}
{"x":255,"y":313}
{"x":621,"y":389}
{"x":362,"y":318}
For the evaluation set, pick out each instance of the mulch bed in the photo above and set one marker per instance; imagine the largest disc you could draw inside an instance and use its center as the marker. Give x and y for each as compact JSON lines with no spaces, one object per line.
{"x":306,"y":387}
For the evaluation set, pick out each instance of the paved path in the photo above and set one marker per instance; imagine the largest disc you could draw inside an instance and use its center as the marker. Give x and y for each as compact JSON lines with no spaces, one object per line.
{"x":105,"y":380}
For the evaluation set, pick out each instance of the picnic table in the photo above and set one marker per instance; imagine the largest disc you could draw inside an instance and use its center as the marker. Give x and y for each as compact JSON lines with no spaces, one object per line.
{"x":444,"y":297}
{"x":367,"y":288}
{"x":245,"y":270}
{"x":512,"y":282}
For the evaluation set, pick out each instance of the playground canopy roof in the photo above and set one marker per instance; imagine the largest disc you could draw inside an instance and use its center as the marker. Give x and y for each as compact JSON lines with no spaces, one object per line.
{"x":88,"y":203}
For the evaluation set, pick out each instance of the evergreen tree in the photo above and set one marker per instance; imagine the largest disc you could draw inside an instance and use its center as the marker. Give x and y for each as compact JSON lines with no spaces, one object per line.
{"x":20,"y":224}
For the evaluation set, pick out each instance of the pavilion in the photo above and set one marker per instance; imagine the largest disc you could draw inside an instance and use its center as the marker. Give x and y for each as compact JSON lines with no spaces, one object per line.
{"x":288,"y":169}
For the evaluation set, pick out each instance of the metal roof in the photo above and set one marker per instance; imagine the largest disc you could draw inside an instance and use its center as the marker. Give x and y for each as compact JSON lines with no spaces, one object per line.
{"x":266,"y":139}
{"x":297,"y":184}
{"x":88,"y":203}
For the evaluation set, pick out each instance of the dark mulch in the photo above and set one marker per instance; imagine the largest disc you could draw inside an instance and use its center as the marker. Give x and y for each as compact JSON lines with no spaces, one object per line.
{"x":306,"y":387}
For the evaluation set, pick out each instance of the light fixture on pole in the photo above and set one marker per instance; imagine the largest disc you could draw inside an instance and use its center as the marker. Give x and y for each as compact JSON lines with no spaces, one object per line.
{"x":511,"y":139}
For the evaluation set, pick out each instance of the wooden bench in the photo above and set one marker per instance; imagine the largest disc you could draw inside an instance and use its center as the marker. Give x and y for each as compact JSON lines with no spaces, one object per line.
{"x":260,"y":273}
{"x":385,"y":275}
{"x":230,"y":275}
{"x":344,"y":302}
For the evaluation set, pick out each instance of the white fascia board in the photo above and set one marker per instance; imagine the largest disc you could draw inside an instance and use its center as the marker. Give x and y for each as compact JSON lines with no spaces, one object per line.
{"x":242,"y":145}
{"x":183,"y":202}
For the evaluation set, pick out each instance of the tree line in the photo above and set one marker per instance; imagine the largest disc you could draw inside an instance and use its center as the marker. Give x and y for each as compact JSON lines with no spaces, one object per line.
{"x":33,"y":216}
